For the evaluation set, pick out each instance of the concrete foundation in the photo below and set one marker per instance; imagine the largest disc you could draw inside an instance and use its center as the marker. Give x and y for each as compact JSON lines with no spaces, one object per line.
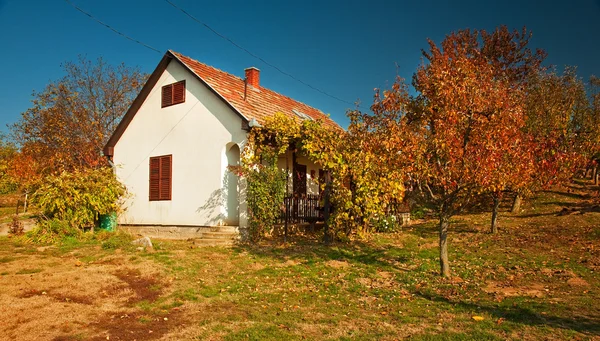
{"x":177,"y":232}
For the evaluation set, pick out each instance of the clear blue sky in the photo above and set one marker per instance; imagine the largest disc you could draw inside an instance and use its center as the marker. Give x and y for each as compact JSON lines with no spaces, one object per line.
{"x":346,"y":48}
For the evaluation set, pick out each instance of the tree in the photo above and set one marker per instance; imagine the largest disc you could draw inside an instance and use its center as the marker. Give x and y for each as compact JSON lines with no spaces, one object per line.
{"x":8,"y":153}
{"x":72,"y":118}
{"x":589,"y":128}
{"x":379,"y":153}
{"x":558,"y":121}
{"x":470,"y":113}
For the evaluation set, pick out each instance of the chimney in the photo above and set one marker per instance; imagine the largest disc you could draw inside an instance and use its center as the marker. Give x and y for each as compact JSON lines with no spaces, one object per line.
{"x":253,"y":76}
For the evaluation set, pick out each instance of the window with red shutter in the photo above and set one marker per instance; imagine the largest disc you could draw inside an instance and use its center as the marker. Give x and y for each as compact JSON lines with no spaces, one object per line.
{"x":160,"y":178}
{"x":173,"y":94}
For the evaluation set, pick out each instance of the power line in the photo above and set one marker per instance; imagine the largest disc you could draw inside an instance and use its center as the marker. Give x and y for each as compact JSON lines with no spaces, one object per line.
{"x":216,"y":33}
{"x":112,"y":29}
{"x":254,"y":55}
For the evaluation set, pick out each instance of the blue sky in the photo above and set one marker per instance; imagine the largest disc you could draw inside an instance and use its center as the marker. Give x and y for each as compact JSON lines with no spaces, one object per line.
{"x":345,"y":48}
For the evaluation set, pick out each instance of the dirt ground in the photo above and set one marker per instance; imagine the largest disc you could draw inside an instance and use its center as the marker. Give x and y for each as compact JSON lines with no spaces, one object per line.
{"x":62,"y":298}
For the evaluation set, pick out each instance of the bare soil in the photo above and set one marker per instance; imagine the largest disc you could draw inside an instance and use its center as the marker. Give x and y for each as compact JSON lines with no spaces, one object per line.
{"x":61,"y":298}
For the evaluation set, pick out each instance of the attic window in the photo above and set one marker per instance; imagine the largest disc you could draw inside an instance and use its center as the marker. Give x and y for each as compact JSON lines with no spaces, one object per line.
{"x":302,"y":115}
{"x":173,"y":94}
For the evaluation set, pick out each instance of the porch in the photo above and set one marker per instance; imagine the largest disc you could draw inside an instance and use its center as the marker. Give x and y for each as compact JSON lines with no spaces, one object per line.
{"x":301,"y":209}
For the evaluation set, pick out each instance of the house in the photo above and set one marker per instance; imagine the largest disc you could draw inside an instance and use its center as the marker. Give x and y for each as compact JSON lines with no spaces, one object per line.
{"x":174,"y":145}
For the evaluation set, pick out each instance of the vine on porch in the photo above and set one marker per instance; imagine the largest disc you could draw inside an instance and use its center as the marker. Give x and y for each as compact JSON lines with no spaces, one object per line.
{"x":361,"y":190}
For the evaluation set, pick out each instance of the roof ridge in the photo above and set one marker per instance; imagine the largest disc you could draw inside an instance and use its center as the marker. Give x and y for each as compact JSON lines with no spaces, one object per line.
{"x":241,"y":79}
{"x":204,"y":64}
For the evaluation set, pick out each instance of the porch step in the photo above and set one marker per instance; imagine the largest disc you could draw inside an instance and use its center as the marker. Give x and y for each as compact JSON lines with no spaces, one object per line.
{"x":232,"y":229}
{"x":213,"y":242}
{"x":220,"y":235}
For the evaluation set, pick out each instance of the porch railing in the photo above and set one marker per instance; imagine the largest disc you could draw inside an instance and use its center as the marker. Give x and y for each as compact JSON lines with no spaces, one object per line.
{"x":301,"y":209}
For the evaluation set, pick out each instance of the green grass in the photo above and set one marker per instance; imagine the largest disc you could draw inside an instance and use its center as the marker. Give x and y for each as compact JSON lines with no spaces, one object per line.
{"x":7,"y":259}
{"x":29,"y":271}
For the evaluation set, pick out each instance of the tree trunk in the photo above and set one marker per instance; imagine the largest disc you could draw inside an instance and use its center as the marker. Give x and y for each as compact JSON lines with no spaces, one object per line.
{"x":595,"y":175}
{"x":444,"y":266}
{"x":516,"y":204}
{"x":495,"y":213}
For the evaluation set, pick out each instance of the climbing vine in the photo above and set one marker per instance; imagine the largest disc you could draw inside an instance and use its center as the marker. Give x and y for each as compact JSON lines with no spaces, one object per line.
{"x":265,"y":194}
{"x":362,"y":188}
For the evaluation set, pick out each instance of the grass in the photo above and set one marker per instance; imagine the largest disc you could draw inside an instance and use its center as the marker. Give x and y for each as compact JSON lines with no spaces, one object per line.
{"x":537,"y":279}
{"x":28,"y":271}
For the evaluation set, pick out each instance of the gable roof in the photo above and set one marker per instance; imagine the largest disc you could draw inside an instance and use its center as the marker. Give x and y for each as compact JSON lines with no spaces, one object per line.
{"x":245,"y":100}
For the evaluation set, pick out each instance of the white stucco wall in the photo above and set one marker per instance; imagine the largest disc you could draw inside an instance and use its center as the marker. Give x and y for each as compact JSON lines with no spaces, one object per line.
{"x":198,"y":134}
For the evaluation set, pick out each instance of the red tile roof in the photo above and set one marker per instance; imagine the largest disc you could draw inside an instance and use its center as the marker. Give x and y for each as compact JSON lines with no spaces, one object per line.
{"x":259,"y":102}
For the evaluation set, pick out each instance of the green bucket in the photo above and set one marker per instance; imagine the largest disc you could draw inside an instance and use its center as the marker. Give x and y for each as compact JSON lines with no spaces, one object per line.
{"x":108,"y":222}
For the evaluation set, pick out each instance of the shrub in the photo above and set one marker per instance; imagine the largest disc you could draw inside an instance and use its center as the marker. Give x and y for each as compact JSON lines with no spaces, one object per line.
{"x":16,"y":226}
{"x":387,"y":223}
{"x":50,"y":231}
{"x":78,"y":198}
{"x":114,"y":240}
{"x":418,"y":213}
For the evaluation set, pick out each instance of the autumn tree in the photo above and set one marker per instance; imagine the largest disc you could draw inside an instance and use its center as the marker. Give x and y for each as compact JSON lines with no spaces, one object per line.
{"x":72,"y":118}
{"x":589,"y":126}
{"x":379,"y":153}
{"x":557,"y":120}
{"x":8,"y":153}
{"x":470,"y":112}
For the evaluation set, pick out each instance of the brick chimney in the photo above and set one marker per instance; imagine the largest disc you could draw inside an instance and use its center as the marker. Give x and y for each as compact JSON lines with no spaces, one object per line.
{"x":253,"y":76}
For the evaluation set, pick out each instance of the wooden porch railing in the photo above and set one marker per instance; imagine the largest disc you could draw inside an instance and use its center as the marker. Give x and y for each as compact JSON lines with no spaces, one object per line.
{"x":301,"y":209}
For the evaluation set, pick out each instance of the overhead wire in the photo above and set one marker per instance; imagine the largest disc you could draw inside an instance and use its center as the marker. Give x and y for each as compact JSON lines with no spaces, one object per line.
{"x":112,"y":28}
{"x":254,"y":55}
{"x":275,"y":67}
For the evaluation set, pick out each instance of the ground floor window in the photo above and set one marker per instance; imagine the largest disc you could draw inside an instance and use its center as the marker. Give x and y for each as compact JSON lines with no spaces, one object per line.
{"x":160,"y":177}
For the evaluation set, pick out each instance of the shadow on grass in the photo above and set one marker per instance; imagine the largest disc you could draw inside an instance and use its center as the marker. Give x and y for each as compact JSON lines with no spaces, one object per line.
{"x":560,"y":203}
{"x":569,"y":195}
{"x":309,"y":248}
{"x":430,"y":229}
{"x":574,"y":208}
{"x":534,"y":215}
{"x":312,"y":250}
{"x":526,"y":315}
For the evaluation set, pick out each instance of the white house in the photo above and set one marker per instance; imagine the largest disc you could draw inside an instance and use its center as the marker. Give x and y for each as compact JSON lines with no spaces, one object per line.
{"x":190,"y":121}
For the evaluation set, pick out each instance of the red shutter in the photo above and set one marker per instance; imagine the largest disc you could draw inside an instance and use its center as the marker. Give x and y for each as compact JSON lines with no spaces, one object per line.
{"x":173,"y":94}
{"x":160,"y":178}
{"x":165,"y":178}
{"x":179,"y":92}
{"x":167,"y":95}
{"x":155,"y":178}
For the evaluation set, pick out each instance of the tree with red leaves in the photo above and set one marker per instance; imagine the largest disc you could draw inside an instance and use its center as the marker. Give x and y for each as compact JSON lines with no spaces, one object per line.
{"x":470,"y":112}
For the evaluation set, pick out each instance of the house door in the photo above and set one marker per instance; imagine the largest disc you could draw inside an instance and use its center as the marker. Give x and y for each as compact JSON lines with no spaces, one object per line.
{"x":299,"y":185}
